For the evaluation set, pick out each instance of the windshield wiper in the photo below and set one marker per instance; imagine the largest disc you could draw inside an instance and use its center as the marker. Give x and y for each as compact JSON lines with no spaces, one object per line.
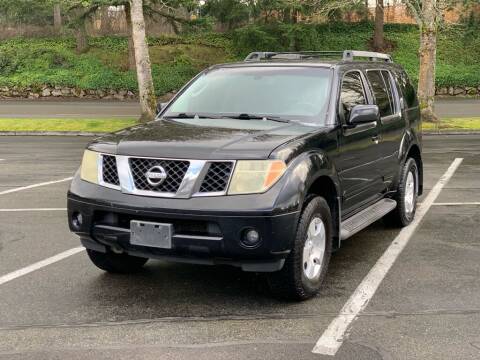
{"x":191,"y":116}
{"x":245,"y":116}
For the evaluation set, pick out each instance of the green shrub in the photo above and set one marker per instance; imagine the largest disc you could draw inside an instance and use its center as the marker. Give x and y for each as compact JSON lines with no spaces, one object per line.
{"x":53,"y":61}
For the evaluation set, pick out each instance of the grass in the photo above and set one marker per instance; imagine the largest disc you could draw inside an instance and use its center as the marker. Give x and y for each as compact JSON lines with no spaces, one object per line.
{"x":454,"y":124}
{"x":32,"y":63}
{"x":110,"y":125}
{"x":72,"y":125}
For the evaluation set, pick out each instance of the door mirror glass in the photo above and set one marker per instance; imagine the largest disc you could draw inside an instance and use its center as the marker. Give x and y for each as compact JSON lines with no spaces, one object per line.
{"x":361,"y":114}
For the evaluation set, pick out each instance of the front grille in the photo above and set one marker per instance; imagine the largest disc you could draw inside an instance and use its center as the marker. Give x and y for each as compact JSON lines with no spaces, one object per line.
{"x":109,"y":170}
{"x":175,"y":170}
{"x":216,"y":179}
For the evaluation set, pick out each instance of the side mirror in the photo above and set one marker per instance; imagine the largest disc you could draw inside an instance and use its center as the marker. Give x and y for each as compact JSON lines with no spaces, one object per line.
{"x":161,"y":106}
{"x":361,"y":114}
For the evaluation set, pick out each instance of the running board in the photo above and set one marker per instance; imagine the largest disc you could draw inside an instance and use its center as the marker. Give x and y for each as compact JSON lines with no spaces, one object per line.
{"x":366,"y":217}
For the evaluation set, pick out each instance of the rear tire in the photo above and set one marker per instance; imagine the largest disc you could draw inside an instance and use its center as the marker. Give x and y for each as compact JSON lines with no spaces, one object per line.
{"x":116,"y":263}
{"x":306,"y":266}
{"x":406,"y":197}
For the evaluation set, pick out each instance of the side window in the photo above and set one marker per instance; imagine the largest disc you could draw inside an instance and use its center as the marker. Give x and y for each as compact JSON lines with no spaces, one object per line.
{"x":388,"y":81}
{"x":408,"y":91}
{"x":352,"y":92}
{"x":381,"y":92}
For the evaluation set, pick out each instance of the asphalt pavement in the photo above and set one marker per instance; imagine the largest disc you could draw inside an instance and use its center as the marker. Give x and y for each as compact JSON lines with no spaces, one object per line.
{"x":427,"y":307}
{"x":104,"y":109}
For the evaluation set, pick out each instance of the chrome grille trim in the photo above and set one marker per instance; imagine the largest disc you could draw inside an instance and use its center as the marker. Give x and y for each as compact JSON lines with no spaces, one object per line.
{"x":189,"y":186}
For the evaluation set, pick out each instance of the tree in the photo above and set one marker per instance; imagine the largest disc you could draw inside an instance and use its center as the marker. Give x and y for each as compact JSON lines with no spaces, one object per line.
{"x":427,"y":14}
{"x":142,"y":57}
{"x":57,"y":17}
{"x":378,"y":37}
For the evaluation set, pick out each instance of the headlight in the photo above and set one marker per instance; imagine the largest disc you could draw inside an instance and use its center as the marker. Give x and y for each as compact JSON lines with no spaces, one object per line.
{"x":255,"y":176}
{"x":89,"y":170}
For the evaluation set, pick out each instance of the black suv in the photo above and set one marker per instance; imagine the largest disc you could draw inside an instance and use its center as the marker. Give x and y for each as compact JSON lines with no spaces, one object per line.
{"x":267,"y":165}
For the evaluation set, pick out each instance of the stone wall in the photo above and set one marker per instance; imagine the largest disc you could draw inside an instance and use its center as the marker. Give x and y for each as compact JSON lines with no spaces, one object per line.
{"x":67,"y":92}
{"x":458,"y":91}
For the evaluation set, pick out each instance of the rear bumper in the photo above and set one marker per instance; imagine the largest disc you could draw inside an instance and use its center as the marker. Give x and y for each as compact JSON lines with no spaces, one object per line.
{"x":200,"y":236}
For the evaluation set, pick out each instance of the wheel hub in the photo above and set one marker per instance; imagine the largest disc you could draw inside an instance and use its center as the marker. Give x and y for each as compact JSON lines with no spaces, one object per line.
{"x":314,"y":249}
{"x":409,"y":198}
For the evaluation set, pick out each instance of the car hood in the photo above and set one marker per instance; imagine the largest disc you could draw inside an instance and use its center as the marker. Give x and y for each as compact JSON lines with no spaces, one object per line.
{"x":202,"y":138}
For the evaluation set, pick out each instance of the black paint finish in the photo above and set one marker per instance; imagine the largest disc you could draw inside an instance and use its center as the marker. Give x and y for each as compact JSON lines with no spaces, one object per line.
{"x":352,"y":166}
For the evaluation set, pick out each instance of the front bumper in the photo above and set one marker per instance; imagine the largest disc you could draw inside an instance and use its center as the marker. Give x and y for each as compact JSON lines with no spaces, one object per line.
{"x":206,"y":234}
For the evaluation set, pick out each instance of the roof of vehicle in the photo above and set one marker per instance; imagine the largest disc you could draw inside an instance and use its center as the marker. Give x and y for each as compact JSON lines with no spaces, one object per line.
{"x":326,"y":59}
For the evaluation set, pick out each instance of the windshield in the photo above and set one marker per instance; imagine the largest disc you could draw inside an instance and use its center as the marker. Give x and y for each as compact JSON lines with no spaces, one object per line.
{"x":282,"y":92}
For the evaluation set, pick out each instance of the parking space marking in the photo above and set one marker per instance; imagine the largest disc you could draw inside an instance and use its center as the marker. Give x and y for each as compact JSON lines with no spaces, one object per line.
{"x":333,"y":337}
{"x":33,"y":209}
{"x":34,"y":186}
{"x":456,"y":203}
{"x":38,"y":265}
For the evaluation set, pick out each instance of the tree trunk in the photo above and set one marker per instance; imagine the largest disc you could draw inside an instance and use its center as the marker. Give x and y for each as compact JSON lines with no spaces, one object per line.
{"x":142,"y":57}
{"x":131,"y":47}
{"x":428,"y":58}
{"x":57,"y":18}
{"x":378,"y":40}
{"x":81,"y":39}
{"x":367,"y":10}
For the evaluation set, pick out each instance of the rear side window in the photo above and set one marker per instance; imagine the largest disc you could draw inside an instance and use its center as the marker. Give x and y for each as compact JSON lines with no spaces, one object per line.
{"x":407,"y":89}
{"x":352,"y":92}
{"x":382,"y":93}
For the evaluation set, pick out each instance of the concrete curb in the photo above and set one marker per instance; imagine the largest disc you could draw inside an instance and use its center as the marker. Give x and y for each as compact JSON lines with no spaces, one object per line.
{"x":49,"y":133}
{"x":80,"y":133}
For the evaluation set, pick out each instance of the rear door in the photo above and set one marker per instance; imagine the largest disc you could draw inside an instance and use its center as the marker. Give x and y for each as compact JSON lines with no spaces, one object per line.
{"x":392,"y":124}
{"x":359,"y":157}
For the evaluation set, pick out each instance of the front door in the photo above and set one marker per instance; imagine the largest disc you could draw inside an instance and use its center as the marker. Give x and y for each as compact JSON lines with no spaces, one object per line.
{"x":359,"y":156}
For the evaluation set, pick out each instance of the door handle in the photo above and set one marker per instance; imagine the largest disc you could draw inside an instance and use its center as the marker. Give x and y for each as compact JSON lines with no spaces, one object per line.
{"x":375,"y":139}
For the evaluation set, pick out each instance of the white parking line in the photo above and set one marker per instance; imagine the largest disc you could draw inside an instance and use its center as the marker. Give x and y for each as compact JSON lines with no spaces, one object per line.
{"x":334,"y":335}
{"x":38,"y":265}
{"x":33,"y":209}
{"x":456,"y":203}
{"x":34,"y":186}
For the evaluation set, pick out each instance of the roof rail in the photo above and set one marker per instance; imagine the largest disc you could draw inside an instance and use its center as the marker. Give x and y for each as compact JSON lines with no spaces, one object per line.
{"x":350,"y":55}
{"x":346,"y":55}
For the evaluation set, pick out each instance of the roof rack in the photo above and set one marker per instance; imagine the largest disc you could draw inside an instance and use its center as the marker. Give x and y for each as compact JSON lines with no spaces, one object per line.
{"x":346,"y":55}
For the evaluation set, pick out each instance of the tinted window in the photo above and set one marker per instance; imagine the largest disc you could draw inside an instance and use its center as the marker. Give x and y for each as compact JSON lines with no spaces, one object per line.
{"x":388,"y":81}
{"x":380,"y":92}
{"x":352,"y":92}
{"x":407,"y":90}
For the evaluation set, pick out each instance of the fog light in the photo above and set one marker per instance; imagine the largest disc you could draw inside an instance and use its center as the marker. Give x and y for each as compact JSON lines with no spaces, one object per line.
{"x":77,"y":220}
{"x":251,"y":238}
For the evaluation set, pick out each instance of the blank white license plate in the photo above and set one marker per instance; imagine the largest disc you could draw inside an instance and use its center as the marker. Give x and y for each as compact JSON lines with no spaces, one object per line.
{"x":151,"y":234}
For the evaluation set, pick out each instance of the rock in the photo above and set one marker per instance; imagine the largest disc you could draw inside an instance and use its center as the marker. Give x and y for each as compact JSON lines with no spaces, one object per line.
{"x":122,"y":93}
{"x":33,"y":95}
{"x":131,"y":94}
{"x":458,"y":91}
{"x":119,"y":96}
{"x":65,"y":91}
{"x":442,"y":91}
{"x":56,"y":93}
{"x":46,"y":92}
{"x":471,"y":90}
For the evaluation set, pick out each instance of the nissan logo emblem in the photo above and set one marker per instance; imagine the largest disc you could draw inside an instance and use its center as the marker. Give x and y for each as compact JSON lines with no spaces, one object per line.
{"x":156,"y":175}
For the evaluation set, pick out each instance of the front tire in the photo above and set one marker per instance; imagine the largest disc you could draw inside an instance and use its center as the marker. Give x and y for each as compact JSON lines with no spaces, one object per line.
{"x":306,"y":266}
{"x":406,"y":197}
{"x":116,"y":263}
